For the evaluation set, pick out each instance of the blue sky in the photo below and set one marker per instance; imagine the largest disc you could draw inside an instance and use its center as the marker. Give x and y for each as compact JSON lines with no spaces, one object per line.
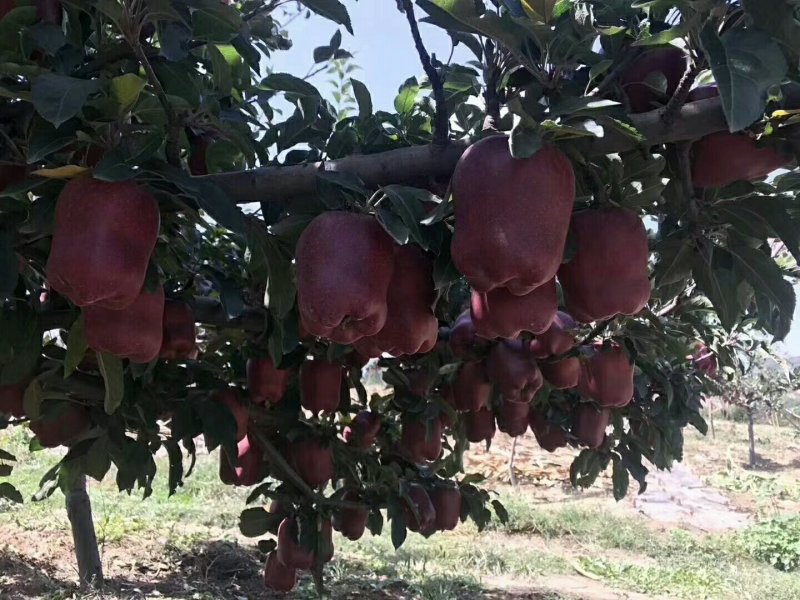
{"x":382,"y":47}
{"x":384,"y":51}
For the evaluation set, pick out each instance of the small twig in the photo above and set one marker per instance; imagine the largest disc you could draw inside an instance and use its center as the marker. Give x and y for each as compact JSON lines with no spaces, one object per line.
{"x":490,"y":72}
{"x":511,"y":474}
{"x":276,"y":458}
{"x":173,"y":123}
{"x":441,"y":125}
{"x":673,"y":107}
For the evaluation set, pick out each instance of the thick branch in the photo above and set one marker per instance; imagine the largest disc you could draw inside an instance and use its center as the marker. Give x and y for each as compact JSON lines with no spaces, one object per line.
{"x":441,"y":125}
{"x":417,"y":164}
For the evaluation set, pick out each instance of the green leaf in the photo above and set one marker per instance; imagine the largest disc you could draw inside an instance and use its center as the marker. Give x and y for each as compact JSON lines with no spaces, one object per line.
{"x":126,"y":89}
{"x":330,"y":9}
{"x":768,"y":281}
{"x":76,"y":347}
{"x":393,"y":225}
{"x":777,"y":17}
{"x":406,"y":98}
{"x":216,"y":22}
{"x":620,"y":479}
{"x":7,"y":456}
{"x":210,"y":198}
{"x":500,"y":511}
{"x":745,"y":63}
{"x":666,"y":36}
{"x":675,"y":262}
{"x":399,"y":531}
{"x":9,"y":492}
{"x":719,"y":284}
{"x":363,"y":99}
{"x":111,"y":369}
{"x":220,"y":70}
{"x":255,"y":522}
{"x":59,"y":98}
{"x":526,"y":140}
{"x":20,"y":343}
{"x":284,"y":82}
{"x":268,"y":253}
{"x":46,"y":139}
{"x":175,"y":466}
{"x":543,"y":8}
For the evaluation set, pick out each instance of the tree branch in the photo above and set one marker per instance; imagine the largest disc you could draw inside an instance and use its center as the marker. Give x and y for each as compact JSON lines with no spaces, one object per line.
{"x":678,"y":99}
{"x":415,"y":165}
{"x":441,"y":125}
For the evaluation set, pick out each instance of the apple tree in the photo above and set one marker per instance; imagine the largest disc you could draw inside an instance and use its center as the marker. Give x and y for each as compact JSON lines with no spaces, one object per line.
{"x":193,"y":244}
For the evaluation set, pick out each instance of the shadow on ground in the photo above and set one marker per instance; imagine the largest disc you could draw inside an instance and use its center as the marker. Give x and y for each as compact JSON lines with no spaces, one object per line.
{"x":223,"y":569}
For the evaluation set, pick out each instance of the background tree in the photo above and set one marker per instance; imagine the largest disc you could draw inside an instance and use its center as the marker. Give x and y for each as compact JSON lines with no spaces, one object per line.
{"x":133,"y":130}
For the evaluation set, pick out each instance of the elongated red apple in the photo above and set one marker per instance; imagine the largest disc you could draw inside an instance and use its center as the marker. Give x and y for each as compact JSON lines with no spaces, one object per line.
{"x":134,"y":332}
{"x":411,"y":327}
{"x":265,"y":382}
{"x":446,"y":500}
{"x":363,"y":429}
{"x":512,"y":418}
{"x":652,"y":78}
{"x":723,"y":158}
{"x":250,"y":468}
{"x":231,"y":400}
{"x":421,"y":441}
{"x":607,"y":376}
{"x":179,"y":334}
{"x":312,"y":460}
{"x":290,"y":552}
{"x":424,"y":521}
{"x":591,"y":424}
{"x":608,"y":275}
{"x":61,"y":426}
{"x":351,"y":521}
{"x":512,"y":215}
{"x":277,"y":576}
{"x":563,"y":374}
{"x":558,"y":339}
{"x":469,"y":390}
{"x":345,"y":263}
{"x":479,"y":425}
{"x":103,"y":237}
{"x":512,"y":368}
{"x":11,"y":400}
{"x":320,"y":385}
{"x":549,"y":435}
{"x":464,"y":340}
{"x":501,"y":314}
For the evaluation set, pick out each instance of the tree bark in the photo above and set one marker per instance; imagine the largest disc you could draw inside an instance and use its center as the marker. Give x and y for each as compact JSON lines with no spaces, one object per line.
{"x":751,"y":433}
{"x":417,"y":165}
{"x":79,"y":511}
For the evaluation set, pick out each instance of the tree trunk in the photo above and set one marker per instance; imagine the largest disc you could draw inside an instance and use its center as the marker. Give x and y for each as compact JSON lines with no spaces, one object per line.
{"x":751,"y":433}
{"x":711,"y":422}
{"x":79,"y":511}
{"x":511,"y":474}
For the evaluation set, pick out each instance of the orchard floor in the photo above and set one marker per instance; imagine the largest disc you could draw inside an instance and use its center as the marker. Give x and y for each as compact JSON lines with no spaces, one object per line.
{"x":559,"y":544}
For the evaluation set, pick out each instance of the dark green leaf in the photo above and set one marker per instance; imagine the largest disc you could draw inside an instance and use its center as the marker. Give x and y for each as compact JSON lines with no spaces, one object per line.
{"x":330,"y":9}
{"x":220,"y":70}
{"x":719,"y":284}
{"x":526,"y":140}
{"x":393,"y":225}
{"x":76,"y":347}
{"x":675,"y":261}
{"x":216,"y":22}
{"x":620,"y":480}
{"x":363,"y":99}
{"x":745,"y":63}
{"x":59,"y":98}
{"x":777,"y":17}
{"x":111,"y":369}
{"x":9,"y":264}
{"x":20,"y":344}
{"x":255,"y":522}
{"x":767,"y":280}
{"x":284,"y":82}
{"x":500,"y":511}
{"x":9,"y":492}
{"x":175,"y":465}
